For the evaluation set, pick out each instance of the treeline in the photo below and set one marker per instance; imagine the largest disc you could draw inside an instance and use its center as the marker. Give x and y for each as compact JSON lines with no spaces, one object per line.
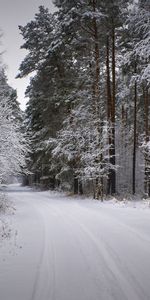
{"x":88,"y":111}
{"x":13,"y":147}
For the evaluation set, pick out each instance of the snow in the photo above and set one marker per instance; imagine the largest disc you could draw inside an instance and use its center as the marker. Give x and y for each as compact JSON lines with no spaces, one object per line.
{"x":63,"y":248}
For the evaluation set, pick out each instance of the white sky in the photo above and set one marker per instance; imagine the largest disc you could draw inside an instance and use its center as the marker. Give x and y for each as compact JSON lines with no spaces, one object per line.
{"x":12,"y":14}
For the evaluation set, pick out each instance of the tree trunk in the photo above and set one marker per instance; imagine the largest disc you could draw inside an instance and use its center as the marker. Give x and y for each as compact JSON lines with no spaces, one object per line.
{"x":80,"y":187}
{"x":96,"y":92}
{"x":109,"y":108}
{"x":75,"y":186}
{"x":97,"y":70}
{"x":134,"y":137}
{"x":147,"y":169}
{"x":113,"y":113}
{"x":109,"y":98}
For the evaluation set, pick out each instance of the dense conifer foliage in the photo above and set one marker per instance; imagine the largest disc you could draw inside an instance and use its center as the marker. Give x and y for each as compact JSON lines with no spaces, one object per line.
{"x":88,"y":110}
{"x":13,"y":147}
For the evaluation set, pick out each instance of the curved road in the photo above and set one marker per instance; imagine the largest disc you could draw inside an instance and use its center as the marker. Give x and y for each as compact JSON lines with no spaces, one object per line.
{"x":71,"y":249}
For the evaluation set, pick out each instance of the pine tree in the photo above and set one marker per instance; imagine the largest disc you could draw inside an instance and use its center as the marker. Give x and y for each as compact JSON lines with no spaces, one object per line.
{"x":85,"y":113}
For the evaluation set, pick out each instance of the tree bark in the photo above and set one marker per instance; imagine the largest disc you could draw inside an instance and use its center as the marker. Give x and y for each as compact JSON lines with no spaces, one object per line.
{"x":134,"y":137}
{"x":109,"y":98}
{"x":97,"y":68}
{"x":147,"y":168}
{"x":75,"y":187}
{"x":113,"y":114}
{"x":80,"y":187}
{"x":109,"y":108}
{"x":96,"y":92}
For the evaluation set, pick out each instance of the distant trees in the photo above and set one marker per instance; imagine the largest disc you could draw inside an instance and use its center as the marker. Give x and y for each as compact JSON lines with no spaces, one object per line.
{"x":12,"y":143}
{"x":90,"y":88}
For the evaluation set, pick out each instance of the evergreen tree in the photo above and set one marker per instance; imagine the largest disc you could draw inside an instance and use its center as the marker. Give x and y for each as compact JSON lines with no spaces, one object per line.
{"x":12,"y":142}
{"x":90,"y":89}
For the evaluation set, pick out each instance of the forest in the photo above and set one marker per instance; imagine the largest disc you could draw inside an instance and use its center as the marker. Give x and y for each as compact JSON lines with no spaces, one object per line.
{"x":13,"y":145}
{"x":84,"y":136}
{"x":87,"y":117}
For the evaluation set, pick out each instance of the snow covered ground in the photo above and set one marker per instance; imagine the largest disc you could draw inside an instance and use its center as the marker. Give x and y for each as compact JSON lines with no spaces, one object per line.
{"x":69,"y":249}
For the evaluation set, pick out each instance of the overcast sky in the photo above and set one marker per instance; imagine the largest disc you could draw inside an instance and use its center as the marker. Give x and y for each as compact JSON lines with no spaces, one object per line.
{"x":12,"y":14}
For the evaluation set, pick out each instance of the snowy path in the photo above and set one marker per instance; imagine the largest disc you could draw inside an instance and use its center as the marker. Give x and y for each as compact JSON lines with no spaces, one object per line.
{"x":67,"y":249}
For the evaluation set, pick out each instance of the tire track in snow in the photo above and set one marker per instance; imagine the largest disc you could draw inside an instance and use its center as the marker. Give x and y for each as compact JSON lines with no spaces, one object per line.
{"x":116,"y":267}
{"x":141,"y":236}
{"x":106,"y":211}
{"x":109,"y":261}
{"x":53,"y":210}
{"x":41,"y":290}
{"x":85,"y":227}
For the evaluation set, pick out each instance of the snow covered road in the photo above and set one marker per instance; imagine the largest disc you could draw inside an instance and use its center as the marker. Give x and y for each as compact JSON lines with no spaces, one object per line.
{"x":71,"y":249}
